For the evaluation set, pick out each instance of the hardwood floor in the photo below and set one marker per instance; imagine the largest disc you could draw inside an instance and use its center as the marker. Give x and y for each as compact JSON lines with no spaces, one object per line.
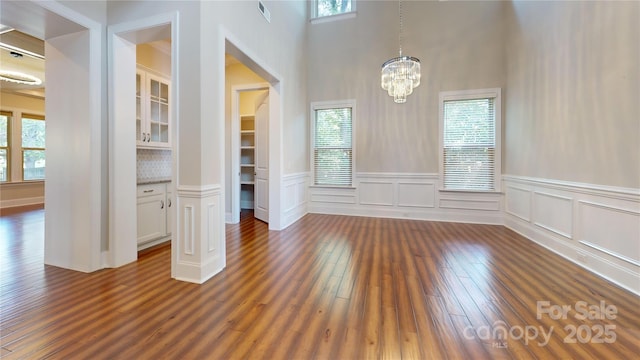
{"x":328,"y":287}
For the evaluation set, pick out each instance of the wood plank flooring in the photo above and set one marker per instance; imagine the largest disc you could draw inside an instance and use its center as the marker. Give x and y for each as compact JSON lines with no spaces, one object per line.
{"x":328,"y":287}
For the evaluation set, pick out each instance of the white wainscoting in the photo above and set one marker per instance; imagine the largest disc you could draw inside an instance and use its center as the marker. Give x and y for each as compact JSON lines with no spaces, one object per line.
{"x":406,"y":196}
{"x":295,"y":194}
{"x":594,"y":226}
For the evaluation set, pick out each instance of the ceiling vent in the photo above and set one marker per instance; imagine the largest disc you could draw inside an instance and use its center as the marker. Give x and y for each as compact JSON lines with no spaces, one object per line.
{"x":264,"y":11}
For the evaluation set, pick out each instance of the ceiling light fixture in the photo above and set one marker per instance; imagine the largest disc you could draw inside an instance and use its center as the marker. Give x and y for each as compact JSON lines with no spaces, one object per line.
{"x":19,"y":78}
{"x":400,"y":75}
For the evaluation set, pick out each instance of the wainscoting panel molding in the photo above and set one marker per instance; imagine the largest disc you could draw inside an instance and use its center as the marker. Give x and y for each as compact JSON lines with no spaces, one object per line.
{"x":295,"y":194}
{"x":416,"y":194}
{"x":213,"y":215}
{"x":601,"y":228}
{"x":518,"y":202}
{"x":454,"y":201}
{"x":376,"y":193}
{"x":553,"y":213}
{"x":188,"y":240}
{"x":596,"y":227}
{"x":406,"y":196}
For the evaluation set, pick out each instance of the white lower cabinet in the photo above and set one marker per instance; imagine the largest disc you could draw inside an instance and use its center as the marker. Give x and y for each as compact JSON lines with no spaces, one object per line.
{"x":153,"y":207}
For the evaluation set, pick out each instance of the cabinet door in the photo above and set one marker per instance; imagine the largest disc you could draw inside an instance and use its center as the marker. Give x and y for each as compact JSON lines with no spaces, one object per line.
{"x":170,"y":211}
{"x":158,"y":106}
{"x":151,"y":217}
{"x":153,"y":112}
{"x":142,"y":133}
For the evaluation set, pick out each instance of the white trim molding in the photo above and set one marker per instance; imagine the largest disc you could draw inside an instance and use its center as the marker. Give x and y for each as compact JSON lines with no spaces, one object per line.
{"x":198,"y":245}
{"x":596,"y":227}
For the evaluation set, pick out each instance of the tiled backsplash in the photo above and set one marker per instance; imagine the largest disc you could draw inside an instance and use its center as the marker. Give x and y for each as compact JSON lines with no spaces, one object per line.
{"x":153,"y":164}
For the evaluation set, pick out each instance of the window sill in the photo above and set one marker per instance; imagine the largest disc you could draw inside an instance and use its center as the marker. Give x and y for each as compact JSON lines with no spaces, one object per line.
{"x":331,"y":18}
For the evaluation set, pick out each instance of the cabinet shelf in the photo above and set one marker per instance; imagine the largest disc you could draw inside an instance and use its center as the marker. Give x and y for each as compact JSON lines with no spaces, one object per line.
{"x":247,"y":160}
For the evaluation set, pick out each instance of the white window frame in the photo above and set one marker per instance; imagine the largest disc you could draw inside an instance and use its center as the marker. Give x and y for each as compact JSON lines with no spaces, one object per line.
{"x":315,"y":19}
{"x":15,"y":143}
{"x":324,"y":105}
{"x":23,"y":149}
{"x":9,"y":115}
{"x":494,"y":93}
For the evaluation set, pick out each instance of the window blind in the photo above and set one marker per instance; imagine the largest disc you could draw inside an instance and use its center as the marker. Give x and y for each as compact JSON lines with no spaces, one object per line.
{"x":333,"y":147}
{"x":469,"y":142}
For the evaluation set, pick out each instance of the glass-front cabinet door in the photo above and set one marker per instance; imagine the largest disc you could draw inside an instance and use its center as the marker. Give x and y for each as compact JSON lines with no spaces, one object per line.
{"x":153,"y":117}
{"x":140,"y":130}
{"x":159,"y":110}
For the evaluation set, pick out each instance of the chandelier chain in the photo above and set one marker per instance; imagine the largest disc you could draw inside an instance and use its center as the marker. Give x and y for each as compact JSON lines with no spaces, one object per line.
{"x":400,"y":32}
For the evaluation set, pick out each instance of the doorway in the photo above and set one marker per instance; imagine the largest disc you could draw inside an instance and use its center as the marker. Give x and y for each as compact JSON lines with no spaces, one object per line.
{"x":250,"y":147}
{"x":74,"y":195}
{"x":123,"y":40}
{"x":263,"y":76}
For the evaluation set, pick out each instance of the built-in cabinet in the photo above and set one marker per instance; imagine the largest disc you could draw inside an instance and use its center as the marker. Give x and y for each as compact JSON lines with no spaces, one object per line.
{"x":154,"y":215}
{"x":153,"y":115}
{"x":247,"y":161}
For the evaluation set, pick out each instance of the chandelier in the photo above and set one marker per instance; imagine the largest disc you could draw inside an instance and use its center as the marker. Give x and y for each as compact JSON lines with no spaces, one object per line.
{"x":19,"y":78}
{"x":400,"y":75}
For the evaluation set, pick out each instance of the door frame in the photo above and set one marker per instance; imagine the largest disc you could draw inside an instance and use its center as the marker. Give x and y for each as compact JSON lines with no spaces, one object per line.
{"x":230,"y":44}
{"x":122,"y":40}
{"x":235,"y":143}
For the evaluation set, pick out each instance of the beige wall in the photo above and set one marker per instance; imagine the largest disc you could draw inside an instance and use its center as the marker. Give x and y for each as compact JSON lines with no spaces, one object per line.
{"x":154,"y":58}
{"x":460,"y":46}
{"x":573,"y":81}
{"x":10,"y":102}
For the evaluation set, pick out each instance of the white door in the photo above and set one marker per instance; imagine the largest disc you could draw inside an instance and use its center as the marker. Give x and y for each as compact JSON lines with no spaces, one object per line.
{"x":261,"y":189}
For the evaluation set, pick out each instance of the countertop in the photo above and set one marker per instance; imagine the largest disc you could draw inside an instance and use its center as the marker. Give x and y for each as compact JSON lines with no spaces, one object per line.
{"x":153,"y":181}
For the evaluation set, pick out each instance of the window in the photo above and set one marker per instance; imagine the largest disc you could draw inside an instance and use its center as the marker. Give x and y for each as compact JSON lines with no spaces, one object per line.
{"x":470,"y":140}
{"x":33,"y":142}
{"x":324,"y":8}
{"x":5,"y":120}
{"x":332,"y":142}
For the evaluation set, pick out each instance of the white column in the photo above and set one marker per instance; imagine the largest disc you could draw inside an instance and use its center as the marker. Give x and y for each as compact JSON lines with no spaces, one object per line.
{"x":198,"y":249}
